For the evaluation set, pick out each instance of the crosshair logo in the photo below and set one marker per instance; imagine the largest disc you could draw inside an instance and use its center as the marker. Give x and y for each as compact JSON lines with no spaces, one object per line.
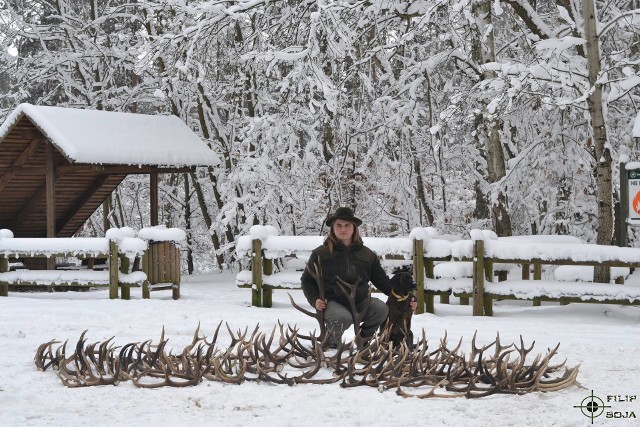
{"x":592,"y":406}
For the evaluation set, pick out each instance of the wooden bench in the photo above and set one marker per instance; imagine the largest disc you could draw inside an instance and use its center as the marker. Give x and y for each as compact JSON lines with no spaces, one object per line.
{"x":121,"y":257}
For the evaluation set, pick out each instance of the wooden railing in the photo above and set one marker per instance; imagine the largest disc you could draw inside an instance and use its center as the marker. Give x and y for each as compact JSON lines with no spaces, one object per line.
{"x":151,"y":262}
{"x":119,"y":275}
{"x":489,"y":257}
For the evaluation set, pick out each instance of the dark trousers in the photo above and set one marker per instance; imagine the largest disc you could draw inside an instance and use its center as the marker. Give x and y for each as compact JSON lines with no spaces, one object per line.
{"x":338,"y":318}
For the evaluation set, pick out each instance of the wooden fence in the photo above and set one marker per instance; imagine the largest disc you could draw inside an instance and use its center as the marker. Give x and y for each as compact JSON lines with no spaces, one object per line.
{"x":491,"y":261}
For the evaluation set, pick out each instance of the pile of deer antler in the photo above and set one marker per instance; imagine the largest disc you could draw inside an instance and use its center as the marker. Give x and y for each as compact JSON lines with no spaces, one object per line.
{"x":294,"y":358}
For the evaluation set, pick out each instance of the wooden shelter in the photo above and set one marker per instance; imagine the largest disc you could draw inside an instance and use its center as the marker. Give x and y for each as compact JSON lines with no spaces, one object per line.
{"x":58,"y":165}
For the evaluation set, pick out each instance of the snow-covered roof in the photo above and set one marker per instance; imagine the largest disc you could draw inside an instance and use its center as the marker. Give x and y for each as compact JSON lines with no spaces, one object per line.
{"x":106,"y":137}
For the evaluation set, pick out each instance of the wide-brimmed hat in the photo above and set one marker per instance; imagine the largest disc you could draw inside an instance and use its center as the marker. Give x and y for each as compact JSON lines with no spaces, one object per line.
{"x":344,"y":214}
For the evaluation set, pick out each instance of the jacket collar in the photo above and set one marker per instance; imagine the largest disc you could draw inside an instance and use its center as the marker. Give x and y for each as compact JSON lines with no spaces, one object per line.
{"x":338,"y":245}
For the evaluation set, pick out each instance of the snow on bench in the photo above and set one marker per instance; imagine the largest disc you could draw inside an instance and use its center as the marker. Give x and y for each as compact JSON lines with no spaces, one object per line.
{"x":118,"y":244}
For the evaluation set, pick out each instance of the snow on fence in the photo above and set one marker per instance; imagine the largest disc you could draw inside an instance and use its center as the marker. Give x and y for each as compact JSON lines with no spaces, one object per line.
{"x":466,"y":269}
{"x":122,"y":250}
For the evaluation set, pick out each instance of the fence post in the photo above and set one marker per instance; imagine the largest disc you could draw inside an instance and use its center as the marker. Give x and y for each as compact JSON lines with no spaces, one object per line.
{"x":256,"y":273}
{"x":478,"y":277}
{"x":429,"y":298}
{"x":267,"y":294}
{"x":113,"y":269}
{"x":175,"y":273}
{"x":537,"y":275}
{"x":444,"y":298}
{"x":4,"y":267}
{"x":418,"y":275}
{"x":488,"y":275}
{"x":125,"y":291}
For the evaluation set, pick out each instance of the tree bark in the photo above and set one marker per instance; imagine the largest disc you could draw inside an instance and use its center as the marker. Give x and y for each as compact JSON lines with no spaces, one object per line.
{"x":604,"y":182}
{"x":483,"y":52}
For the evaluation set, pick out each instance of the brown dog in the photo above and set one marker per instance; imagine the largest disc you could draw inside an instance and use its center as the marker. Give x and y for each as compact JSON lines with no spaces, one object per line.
{"x":400,"y":311}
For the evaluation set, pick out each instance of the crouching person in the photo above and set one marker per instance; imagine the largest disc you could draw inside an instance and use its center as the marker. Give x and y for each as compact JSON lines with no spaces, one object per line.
{"x":344,"y":256}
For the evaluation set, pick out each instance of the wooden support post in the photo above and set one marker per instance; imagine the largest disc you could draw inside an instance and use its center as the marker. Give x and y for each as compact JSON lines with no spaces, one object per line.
{"x":623,"y":211}
{"x":153,"y":196}
{"x":488,"y":275}
{"x":537,"y":275}
{"x":619,"y":280}
{"x":4,"y":267}
{"x":444,"y":299}
{"x":478,"y":277}
{"x":146,"y":291}
{"x":50,"y":186}
{"x":125,"y":291}
{"x":113,"y":269}
{"x":537,"y":271}
{"x":267,"y":294}
{"x":175,"y":276}
{"x":428,"y":298}
{"x":418,"y":276}
{"x":526,"y":271}
{"x":256,"y":273}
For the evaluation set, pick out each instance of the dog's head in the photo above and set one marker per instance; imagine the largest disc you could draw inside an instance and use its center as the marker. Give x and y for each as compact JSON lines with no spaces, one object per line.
{"x":402,"y":283}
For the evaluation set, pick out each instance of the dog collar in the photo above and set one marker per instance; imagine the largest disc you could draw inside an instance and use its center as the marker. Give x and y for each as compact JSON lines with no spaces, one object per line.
{"x":398,"y":297}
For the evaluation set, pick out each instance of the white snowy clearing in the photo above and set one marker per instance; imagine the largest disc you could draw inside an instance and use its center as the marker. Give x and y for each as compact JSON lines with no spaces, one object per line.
{"x":603,"y":339}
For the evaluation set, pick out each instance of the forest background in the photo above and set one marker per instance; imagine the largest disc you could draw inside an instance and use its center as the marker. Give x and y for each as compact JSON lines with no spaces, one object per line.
{"x":510,"y":115}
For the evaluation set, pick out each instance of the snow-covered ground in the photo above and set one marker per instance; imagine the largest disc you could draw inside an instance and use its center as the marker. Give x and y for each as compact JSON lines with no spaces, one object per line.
{"x":603,"y":339}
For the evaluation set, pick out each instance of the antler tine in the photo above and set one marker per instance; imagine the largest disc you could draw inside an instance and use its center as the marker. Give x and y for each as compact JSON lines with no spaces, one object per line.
{"x":318,"y":315}
{"x":44,"y":353}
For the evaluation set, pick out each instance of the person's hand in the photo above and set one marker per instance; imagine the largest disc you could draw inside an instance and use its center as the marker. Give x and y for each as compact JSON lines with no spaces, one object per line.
{"x":322,"y":304}
{"x":413,"y":303}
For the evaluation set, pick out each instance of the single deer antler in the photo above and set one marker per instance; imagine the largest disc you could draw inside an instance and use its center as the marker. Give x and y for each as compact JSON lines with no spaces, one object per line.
{"x":319,"y":314}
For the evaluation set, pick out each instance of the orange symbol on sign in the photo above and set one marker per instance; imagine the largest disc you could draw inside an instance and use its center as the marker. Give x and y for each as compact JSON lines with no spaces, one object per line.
{"x":636,"y":203}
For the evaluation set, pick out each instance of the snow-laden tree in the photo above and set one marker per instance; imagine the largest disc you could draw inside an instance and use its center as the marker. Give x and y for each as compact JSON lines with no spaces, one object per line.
{"x":458,"y":114}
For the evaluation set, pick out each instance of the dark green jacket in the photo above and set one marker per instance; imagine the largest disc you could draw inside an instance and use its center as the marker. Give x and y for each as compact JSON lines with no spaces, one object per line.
{"x":350,"y":264}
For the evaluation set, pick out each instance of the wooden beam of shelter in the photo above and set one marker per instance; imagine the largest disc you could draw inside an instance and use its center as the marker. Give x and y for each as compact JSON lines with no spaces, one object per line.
{"x":37,"y":198}
{"x":99,"y":169}
{"x":16,"y":165}
{"x":82,"y":200}
{"x":153,"y":195}
{"x":50,"y":186}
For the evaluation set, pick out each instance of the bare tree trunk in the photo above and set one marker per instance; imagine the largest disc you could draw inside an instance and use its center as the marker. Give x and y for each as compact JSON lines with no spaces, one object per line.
{"x":604,"y":182}
{"x":484,"y":52}
{"x":207,"y":219}
{"x":187,"y":221}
